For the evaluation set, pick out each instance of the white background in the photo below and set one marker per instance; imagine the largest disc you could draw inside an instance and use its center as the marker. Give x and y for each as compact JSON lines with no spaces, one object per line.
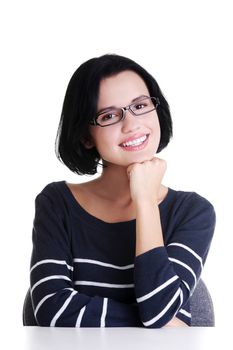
{"x":186,"y":45}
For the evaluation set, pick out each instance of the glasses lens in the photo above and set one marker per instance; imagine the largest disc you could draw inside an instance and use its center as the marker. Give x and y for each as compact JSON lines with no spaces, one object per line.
{"x":111,"y":117}
{"x":143,"y":106}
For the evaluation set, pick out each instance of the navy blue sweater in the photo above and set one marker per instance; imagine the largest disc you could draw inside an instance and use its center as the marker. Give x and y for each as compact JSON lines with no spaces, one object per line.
{"x":84,"y":272}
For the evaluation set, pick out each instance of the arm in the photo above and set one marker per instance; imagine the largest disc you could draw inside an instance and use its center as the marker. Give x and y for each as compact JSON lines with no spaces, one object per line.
{"x":55,"y":300}
{"x":165,"y":277}
{"x":148,"y":223}
{"x":145,"y":182}
{"x":148,"y":227}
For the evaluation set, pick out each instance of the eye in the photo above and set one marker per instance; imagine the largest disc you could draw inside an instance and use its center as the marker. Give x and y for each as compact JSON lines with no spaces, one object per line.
{"x":140,"y":105}
{"x":107,"y":117}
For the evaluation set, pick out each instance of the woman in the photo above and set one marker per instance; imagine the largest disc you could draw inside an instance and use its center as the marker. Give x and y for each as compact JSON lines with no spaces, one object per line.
{"x":121,"y":250}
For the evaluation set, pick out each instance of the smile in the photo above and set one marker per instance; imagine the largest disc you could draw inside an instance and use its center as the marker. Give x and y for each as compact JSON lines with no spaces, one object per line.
{"x":136,"y":144}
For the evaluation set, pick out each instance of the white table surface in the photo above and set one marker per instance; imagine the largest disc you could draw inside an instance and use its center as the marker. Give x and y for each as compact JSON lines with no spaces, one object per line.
{"x":43,"y":338}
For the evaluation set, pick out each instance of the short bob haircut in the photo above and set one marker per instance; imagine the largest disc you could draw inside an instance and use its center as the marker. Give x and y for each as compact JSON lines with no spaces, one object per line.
{"x":80,"y":107}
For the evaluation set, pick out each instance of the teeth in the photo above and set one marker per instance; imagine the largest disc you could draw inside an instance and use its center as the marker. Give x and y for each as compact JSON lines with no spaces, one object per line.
{"x":135,"y":142}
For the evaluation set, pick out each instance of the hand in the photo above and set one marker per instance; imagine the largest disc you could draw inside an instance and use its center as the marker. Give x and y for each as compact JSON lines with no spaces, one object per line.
{"x":176,"y":322}
{"x":145,"y":179}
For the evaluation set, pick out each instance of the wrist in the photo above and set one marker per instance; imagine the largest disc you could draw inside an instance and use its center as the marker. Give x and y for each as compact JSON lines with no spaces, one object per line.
{"x":142,"y":203}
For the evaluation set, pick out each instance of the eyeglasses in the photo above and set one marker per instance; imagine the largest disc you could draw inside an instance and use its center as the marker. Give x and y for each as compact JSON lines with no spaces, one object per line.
{"x":138,"y":108}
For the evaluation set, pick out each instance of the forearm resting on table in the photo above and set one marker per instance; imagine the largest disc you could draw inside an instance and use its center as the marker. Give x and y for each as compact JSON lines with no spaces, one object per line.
{"x":148,"y":227}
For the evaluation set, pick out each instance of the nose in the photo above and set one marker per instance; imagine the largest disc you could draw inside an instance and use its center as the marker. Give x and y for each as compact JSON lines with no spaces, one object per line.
{"x":130,"y":122}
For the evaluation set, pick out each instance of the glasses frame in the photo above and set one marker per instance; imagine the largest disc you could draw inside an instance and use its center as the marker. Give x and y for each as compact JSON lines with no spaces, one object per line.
{"x":155,"y":101}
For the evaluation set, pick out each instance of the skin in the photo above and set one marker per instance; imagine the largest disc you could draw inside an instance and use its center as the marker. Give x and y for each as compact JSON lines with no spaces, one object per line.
{"x":119,"y":91}
{"x":122,"y":184}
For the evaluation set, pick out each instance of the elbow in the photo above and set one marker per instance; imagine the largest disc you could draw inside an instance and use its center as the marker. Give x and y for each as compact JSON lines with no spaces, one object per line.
{"x":43,"y":321}
{"x":151,"y":324}
{"x":45,"y":317}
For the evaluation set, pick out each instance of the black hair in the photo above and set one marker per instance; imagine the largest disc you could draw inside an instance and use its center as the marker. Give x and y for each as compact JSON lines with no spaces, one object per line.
{"x":80,"y":107}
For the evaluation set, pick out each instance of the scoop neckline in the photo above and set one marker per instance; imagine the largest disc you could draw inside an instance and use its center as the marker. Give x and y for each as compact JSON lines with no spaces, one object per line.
{"x":91,"y":218}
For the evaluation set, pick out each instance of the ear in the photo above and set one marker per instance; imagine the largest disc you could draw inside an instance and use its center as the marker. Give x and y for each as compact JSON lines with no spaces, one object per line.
{"x":87,"y":143}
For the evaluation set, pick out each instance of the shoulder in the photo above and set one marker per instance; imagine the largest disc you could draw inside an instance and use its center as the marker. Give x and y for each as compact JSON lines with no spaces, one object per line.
{"x":189,"y":199}
{"x":192,"y":206}
{"x":53,"y":189}
{"x":52,"y":195}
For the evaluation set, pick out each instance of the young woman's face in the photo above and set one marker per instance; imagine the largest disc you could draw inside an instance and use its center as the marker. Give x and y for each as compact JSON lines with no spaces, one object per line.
{"x":119,"y":91}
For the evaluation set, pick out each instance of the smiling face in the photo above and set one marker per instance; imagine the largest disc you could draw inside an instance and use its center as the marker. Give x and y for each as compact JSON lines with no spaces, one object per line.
{"x":115,"y":142}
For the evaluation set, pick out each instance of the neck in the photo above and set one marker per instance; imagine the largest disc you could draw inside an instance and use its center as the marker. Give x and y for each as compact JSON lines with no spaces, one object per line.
{"x":114,"y":185}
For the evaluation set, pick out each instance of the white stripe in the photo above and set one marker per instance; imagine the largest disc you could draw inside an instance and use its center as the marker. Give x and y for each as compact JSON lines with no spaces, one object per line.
{"x":52,"y":261}
{"x":189,"y":249}
{"x":186,"y":266}
{"x":62,"y":309}
{"x":46,"y":297}
{"x":49,"y":278}
{"x":101,"y":284}
{"x":42,"y":301}
{"x":158,"y":289}
{"x":104,"y":313}
{"x":186,"y":285}
{"x":184,"y":312}
{"x":181,"y":298}
{"x":181,"y":302}
{"x":96,"y":262}
{"x":69,"y":289}
{"x":80,"y":316}
{"x":156,"y":318}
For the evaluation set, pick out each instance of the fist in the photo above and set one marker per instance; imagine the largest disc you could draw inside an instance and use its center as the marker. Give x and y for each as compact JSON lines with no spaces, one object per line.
{"x":145,"y":179}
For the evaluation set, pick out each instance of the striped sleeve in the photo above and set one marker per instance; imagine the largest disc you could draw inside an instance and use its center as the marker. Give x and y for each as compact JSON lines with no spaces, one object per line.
{"x":165,"y":277}
{"x":56,"y":301}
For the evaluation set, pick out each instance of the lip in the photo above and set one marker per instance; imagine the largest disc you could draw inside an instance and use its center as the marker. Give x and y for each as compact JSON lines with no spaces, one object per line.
{"x":137,"y":148}
{"x":134,"y":137}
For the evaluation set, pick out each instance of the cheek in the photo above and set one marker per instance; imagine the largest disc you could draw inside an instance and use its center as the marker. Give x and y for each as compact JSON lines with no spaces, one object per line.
{"x":155,"y":126}
{"x":156,"y":133}
{"x":102,"y":140}
{"x":95,"y":134}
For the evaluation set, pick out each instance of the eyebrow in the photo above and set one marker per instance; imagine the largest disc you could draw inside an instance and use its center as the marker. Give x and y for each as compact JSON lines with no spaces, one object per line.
{"x":114,"y":107}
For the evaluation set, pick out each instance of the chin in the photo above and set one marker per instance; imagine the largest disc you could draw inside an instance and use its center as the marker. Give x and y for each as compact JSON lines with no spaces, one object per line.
{"x":130,"y":158}
{"x":139,"y":158}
